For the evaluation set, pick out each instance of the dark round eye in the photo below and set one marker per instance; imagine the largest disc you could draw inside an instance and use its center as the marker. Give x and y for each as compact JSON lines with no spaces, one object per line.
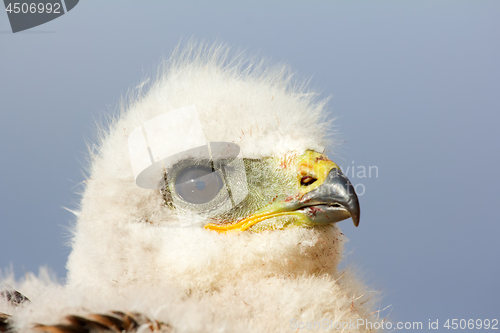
{"x":198,"y":184}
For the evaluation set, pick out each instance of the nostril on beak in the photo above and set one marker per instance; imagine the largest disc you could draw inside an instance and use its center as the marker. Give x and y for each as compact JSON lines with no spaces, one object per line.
{"x":307,"y":180}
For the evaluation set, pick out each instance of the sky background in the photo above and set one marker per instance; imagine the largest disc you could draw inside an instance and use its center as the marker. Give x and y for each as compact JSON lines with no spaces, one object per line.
{"x":415,"y":87}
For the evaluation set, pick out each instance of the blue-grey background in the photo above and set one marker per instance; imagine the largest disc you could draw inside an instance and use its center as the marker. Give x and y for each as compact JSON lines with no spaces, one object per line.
{"x":415,"y":86}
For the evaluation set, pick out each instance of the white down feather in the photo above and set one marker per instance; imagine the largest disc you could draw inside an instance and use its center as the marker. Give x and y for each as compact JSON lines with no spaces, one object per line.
{"x":127,"y":256}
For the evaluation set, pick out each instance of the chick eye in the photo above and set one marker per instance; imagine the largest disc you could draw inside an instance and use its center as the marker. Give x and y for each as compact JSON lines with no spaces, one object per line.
{"x":198,"y":184}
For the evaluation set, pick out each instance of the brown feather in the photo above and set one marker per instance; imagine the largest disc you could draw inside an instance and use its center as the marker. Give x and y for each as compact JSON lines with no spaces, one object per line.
{"x":116,"y":322}
{"x":4,"y":322}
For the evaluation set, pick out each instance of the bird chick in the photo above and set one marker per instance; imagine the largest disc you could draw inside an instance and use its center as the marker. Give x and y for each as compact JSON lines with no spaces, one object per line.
{"x":210,"y":206}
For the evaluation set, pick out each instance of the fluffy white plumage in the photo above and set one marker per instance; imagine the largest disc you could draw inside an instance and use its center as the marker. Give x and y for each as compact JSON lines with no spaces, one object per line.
{"x":126,"y":255}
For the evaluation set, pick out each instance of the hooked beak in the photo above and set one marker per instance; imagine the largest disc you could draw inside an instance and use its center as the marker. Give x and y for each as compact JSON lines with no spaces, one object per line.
{"x":331,"y":198}
{"x":333,"y":201}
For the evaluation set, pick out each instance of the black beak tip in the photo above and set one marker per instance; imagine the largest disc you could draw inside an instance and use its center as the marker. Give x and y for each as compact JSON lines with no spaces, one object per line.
{"x":355,"y":220}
